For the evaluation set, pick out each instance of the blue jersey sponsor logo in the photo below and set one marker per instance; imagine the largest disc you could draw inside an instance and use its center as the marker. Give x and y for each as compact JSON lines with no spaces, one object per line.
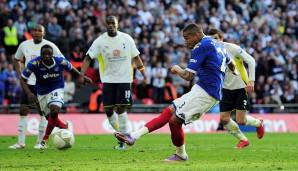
{"x":50,"y":75}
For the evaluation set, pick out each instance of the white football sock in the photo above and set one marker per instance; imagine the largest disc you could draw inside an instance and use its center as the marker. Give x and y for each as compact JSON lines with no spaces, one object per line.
{"x":123,"y":120}
{"x":138,"y":133}
{"x":252,"y":121}
{"x":41,"y":128}
{"x":180,"y":151}
{"x":233,"y":129}
{"x":114,"y":121}
{"x":22,"y":130}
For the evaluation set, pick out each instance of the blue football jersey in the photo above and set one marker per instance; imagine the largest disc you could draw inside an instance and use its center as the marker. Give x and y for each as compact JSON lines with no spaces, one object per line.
{"x":208,"y":60}
{"x":48,"y":78}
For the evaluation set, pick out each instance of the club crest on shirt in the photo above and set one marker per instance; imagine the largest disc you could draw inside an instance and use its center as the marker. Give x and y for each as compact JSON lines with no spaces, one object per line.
{"x":33,"y":56}
{"x":193,"y":60}
{"x":63,"y":62}
{"x":28,"y":70}
{"x":116,"y":53}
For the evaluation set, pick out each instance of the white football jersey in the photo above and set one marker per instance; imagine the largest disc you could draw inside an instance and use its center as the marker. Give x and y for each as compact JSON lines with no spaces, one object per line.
{"x":232,"y":81}
{"x":115,"y":56}
{"x":29,"y":50}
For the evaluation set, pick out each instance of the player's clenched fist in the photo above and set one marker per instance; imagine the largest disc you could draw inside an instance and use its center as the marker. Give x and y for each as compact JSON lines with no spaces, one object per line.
{"x":250,"y":86}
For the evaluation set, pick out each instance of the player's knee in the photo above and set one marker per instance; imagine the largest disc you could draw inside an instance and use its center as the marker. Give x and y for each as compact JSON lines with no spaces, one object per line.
{"x":120,"y":109}
{"x":54,"y":111}
{"x":240,"y":121}
{"x":109,"y":111}
{"x":175,"y":121}
{"x":225,"y":120}
{"x":240,"y":117}
{"x":24,"y":110}
{"x":54,"y":114}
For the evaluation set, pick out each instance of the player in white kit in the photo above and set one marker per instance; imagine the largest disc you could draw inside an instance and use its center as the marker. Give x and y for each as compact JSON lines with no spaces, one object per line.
{"x":28,"y":50}
{"x":235,"y":92}
{"x":116,"y":53}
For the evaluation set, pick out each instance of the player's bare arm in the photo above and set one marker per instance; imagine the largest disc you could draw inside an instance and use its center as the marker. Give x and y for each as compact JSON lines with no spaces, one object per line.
{"x":250,"y":86}
{"x":32,"y":98}
{"x":84,"y":68}
{"x":140,"y":66}
{"x":85,"y":78}
{"x":251,"y":63}
{"x":188,"y":76}
{"x":18,"y":65}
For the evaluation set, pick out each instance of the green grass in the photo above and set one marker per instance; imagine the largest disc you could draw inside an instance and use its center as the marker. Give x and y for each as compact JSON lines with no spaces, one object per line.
{"x":206,"y":152}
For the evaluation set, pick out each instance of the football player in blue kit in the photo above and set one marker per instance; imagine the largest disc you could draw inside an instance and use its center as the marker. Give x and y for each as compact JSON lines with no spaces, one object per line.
{"x":48,"y":70}
{"x":208,"y":60}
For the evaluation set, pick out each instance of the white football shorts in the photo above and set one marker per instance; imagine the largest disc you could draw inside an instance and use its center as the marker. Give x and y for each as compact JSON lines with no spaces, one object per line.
{"x":194,"y":104}
{"x":53,"y":98}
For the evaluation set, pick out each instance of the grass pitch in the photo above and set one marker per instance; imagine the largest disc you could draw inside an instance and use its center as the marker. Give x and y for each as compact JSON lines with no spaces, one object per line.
{"x":206,"y":152}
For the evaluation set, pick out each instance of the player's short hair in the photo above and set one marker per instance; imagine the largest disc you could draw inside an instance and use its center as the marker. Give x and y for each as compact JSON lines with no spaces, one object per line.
{"x":38,"y":25}
{"x":214,"y":31}
{"x":193,"y":29}
{"x":109,"y":17}
{"x":46,"y":46}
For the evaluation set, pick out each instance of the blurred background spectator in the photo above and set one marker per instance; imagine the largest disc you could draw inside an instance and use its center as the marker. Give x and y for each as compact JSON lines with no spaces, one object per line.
{"x":69,"y":89}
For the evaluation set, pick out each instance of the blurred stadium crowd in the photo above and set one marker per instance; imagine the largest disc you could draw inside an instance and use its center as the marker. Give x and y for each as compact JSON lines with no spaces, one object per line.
{"x":267,"y":29}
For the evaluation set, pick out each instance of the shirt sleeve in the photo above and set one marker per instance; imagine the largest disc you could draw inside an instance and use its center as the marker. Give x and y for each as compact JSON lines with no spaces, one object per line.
{"x":134,"y":50}
{"x":19,"y":53}
{"x":65,"y":64}
{"x":28,"y":70}
{"x":196,"y":59}
{"x":238,"y":52}
{"x":94,"y":50}
{"x":251,"y":63}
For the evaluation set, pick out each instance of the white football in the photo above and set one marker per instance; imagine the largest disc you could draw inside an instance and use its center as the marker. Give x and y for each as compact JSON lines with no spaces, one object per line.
{"x":63,"y":139}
